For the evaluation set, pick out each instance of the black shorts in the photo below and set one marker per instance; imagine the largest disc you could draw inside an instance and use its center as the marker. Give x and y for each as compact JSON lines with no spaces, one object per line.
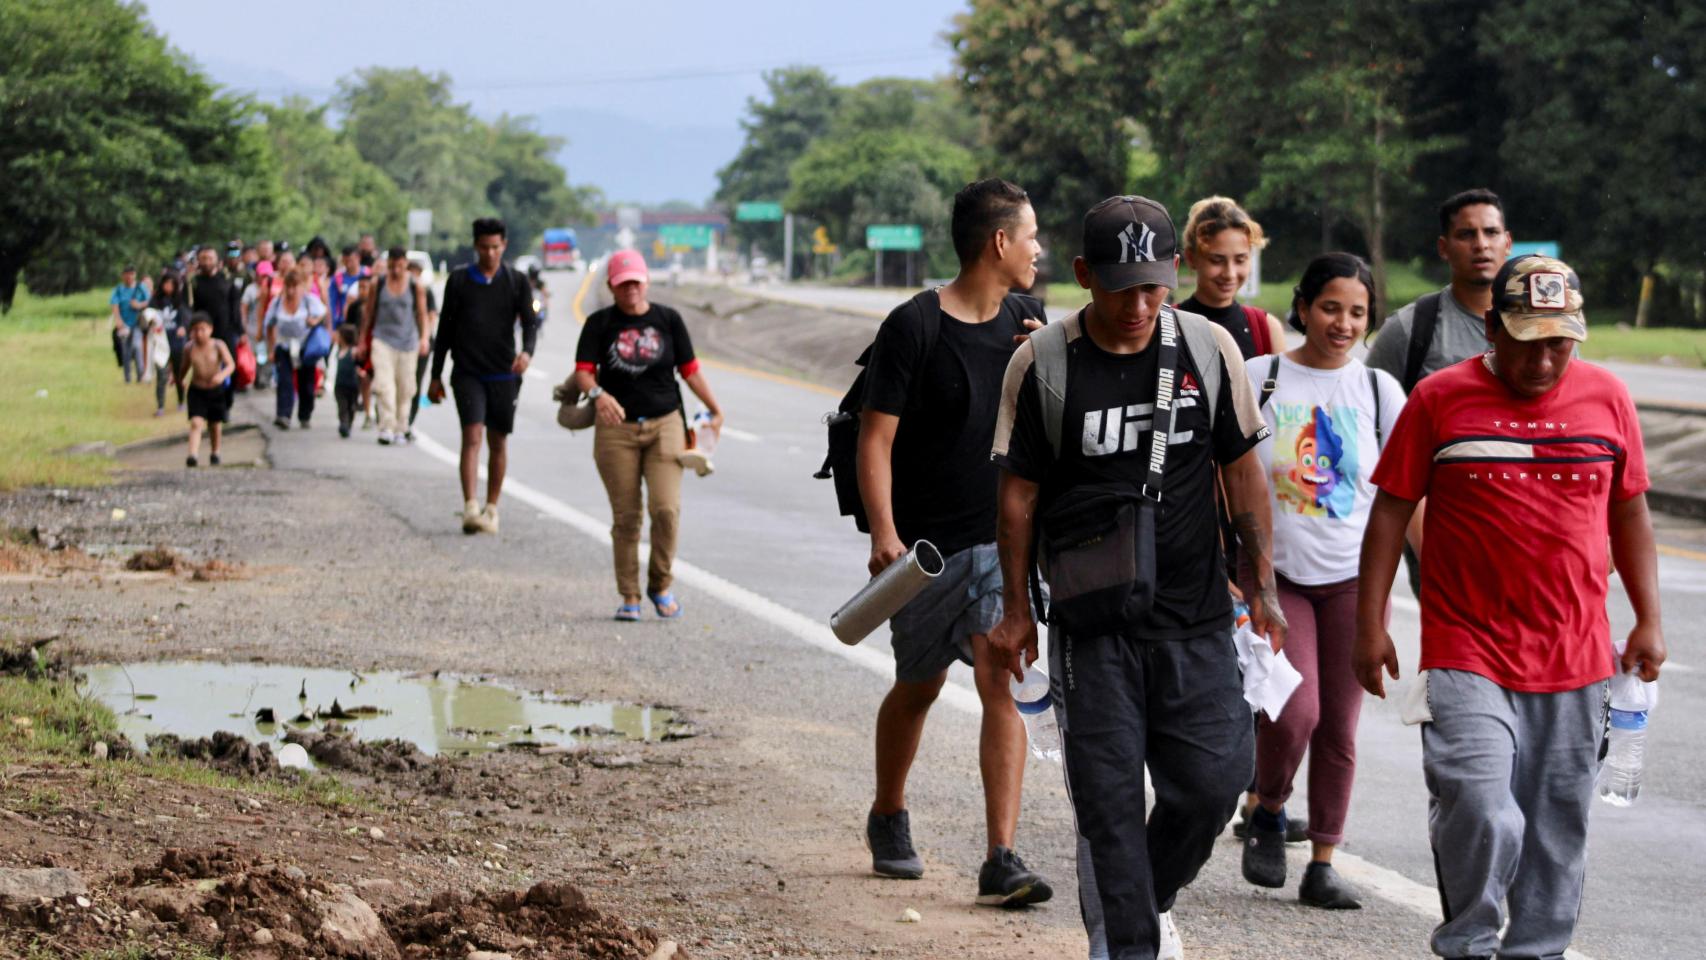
{"x":212,"y":404}
{"x":488,"y":402}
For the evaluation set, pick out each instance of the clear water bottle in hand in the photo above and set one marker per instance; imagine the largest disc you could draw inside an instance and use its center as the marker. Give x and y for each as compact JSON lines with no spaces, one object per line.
{"x":1620,"y":777}
{"x":1031,"y":697}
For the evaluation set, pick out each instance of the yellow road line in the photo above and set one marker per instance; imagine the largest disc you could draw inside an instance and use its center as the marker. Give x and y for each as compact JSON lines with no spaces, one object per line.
{"x":580,"y":317}
{"x":1682,"y":552}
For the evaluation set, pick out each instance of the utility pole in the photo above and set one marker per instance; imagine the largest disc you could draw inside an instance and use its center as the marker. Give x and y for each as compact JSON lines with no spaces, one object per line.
{"x":787,"y":247}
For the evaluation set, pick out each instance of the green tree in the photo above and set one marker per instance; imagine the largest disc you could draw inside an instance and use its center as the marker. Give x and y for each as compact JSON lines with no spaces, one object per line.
{"x":405,"y":122}
{"x":1057,"y":87}
{"x":1606,"y":111}
{"x":848,"y":182}
{"x":327,"y":188}
{"x":112,"y":147}
{"x":1329,"y":128}
{"x":802,"y":103}
{"x":530,"y":190}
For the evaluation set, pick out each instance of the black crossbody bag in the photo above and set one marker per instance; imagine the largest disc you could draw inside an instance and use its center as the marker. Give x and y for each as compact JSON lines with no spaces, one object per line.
{"x":1096,"y":543}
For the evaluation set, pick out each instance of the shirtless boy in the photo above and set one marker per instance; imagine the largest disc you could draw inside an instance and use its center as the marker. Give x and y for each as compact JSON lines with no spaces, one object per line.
{"x":210,"y":364}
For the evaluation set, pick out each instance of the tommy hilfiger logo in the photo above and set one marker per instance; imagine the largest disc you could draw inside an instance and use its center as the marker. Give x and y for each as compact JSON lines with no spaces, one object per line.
{"x":1522,"y":475}
{"x":1559,"y":425}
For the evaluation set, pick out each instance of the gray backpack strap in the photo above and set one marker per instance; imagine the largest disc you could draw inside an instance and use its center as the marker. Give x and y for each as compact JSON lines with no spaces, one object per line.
{"x":1048,"y":346}
{"x":1205,"y":355}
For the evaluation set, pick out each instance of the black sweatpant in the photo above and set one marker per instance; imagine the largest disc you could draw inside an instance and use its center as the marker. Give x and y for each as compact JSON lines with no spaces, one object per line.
{"x":1177,"y":707}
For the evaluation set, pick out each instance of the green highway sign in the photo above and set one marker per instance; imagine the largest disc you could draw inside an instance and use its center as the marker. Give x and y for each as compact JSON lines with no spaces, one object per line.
{"x":758,"y":210}
{"x":695,"y":236}
{"x":894,"y":236}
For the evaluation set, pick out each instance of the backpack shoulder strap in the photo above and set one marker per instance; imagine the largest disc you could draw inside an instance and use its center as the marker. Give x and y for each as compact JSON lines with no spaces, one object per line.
{"x":1257,"y":320}
{"x":1198,"y":333}
{"x":1379,"y":432}
{"x":1422,"y":324}
{"x":1272,"y":383}
{"x":1048,"y":346}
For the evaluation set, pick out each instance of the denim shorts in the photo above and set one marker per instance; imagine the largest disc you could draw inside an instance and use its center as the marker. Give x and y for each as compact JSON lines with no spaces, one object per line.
{"x":936,"y":628}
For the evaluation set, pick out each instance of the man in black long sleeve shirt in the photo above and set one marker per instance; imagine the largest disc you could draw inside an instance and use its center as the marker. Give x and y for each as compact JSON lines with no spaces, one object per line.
{"x":482,"y":304}
{"x":213,"y":293}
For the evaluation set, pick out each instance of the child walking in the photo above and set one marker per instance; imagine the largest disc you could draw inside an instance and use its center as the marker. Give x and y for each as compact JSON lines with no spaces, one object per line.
{"x":210,"y":364}
{"x":346,"y":385}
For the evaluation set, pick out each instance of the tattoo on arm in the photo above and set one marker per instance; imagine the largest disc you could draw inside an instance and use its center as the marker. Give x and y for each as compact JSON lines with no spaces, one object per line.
{"x":1255,"y":543}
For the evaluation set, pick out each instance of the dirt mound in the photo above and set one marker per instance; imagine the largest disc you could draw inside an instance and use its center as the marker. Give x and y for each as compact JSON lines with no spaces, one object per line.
{"x":32,"y":658}
{"x":244,"y":908}
{"x":163,"y":559}
{"x":33,"y":551}
{"x":178,"y":865}
{"x":155,"y":559}
{"x":224,"y":751}
{"x":341,"y":751}
{"x":550,"y":920}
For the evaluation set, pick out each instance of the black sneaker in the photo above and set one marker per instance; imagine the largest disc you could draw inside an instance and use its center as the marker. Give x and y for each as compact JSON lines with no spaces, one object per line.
{"x":213,"y":459}
{"x":189,"y":462}
{"x":890,"y":839}
{"x":1296,"y":830}
{"x":1005,"y":881}
{"x":1323,"y":887}
{"x":1264,"y":850}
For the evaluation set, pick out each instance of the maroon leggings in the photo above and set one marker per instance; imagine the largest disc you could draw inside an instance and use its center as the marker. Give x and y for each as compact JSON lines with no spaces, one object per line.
{"x":1321,"y":715}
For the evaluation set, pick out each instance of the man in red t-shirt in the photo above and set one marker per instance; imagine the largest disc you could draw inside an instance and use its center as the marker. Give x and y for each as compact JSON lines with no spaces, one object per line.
{"x":1531,"y":464}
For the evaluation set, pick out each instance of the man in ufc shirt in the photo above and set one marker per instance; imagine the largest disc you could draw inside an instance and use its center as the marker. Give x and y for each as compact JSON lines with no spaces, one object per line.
{"x":1530,"y":462}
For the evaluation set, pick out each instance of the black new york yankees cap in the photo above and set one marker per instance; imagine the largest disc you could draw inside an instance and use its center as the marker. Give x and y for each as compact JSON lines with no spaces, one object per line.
{"x":1130,"y":241}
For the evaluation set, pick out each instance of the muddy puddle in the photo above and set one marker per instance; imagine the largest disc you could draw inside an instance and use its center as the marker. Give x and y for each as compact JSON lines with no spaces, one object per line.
{"x":440,"y":714}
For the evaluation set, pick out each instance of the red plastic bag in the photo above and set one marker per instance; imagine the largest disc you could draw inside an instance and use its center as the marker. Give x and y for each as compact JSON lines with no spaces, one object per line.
{"x":245,"y":360}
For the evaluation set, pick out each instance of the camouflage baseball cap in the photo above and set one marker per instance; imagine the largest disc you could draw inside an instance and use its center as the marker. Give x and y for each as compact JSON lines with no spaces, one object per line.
{"x":1540,"y":297}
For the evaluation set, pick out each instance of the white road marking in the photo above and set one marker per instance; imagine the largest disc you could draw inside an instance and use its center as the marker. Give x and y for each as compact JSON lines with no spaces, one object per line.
{"x":535,"y":371}
{"x":742,"y":435}
{"x":801,"y":627}
{"x":1389,"y":885}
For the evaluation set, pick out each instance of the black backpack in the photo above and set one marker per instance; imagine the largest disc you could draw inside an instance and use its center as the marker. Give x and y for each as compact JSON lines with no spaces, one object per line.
{"x":841,"y":463}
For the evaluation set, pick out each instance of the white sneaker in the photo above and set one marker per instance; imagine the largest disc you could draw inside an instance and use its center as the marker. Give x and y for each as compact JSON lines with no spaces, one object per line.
{"x":488,"y":519}
{"x":696,"y":461}
{"x":385,"y":438}
{"x":1171,"y":948}
{"x":471,"y":517}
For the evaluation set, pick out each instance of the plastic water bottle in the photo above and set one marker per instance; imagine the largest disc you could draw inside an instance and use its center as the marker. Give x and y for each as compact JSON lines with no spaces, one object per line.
{"x":1240,"y":614}
{"x":703,"y":436}
{"x":1620,"y":777}
{"x":1031,"y":696}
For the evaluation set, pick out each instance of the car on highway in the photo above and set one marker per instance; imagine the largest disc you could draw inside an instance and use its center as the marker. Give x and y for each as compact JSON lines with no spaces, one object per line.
{"x":760,"y":270}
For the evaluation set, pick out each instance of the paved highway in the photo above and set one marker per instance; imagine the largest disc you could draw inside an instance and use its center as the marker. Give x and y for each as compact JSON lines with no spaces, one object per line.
{"x":761,"y":545}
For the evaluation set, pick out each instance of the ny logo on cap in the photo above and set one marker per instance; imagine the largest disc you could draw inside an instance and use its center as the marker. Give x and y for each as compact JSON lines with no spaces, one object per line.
{"x":1137,"y":247}
{"x":1547,"y":291}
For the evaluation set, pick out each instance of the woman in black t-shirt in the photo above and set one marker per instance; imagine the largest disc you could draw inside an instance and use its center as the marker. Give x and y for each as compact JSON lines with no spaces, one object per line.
{"x":627,"y":361}
{"x":1220,"y":242}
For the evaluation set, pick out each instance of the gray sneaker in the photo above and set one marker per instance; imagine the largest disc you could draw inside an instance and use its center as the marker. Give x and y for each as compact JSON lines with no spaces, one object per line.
{"x":890,"y":839}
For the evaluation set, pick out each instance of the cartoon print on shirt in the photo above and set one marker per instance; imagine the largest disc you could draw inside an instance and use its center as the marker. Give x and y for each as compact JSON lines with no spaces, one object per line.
{"x":1315,"y":460}
{"x":634,"y":350}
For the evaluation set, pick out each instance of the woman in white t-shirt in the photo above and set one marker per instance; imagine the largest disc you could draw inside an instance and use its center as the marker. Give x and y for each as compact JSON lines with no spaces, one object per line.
{"x":1329,"y":415}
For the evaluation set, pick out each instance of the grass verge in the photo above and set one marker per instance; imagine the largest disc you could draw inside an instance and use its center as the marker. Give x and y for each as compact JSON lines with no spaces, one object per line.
{"x":62,"y":727}
{"x":1679,"y":346}
{"x":59,"y":387}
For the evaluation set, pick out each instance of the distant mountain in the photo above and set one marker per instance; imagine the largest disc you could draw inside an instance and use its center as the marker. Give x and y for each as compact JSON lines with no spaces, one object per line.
{"x":631,"y":158}
{"x":635,"y":160}
{"x":264,"y":84}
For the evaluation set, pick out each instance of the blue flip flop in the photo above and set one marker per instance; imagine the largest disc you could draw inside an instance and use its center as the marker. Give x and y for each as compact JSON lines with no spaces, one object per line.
{"x":628,"y":613}
{"x":662,"y":600}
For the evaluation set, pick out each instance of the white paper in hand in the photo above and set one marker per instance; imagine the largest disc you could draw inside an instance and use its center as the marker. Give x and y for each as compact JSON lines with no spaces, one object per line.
{"x":1269,"y":678}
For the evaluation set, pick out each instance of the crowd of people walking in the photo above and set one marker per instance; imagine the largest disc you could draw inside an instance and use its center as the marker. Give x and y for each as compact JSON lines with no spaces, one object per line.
{"x":1127,"y":474}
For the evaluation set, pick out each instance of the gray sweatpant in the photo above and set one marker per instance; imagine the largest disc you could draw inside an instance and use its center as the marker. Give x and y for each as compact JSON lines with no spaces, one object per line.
{"x":1510,"y":778}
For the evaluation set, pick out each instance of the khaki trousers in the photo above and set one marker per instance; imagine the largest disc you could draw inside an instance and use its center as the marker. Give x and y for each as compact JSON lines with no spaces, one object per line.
{"x":626,"y":455}
{"x":393,"y":385}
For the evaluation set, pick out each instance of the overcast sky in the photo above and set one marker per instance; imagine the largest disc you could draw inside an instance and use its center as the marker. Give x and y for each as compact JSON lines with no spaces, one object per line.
{"x":648,"y":92}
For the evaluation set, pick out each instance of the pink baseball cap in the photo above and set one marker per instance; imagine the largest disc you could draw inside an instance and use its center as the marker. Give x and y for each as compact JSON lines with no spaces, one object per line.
{"x":626,"y":265}
{"x":263,"y":269}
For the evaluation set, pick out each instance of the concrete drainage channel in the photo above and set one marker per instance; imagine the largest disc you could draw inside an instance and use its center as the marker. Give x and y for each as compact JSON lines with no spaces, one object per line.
{"x":278,"y":706}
